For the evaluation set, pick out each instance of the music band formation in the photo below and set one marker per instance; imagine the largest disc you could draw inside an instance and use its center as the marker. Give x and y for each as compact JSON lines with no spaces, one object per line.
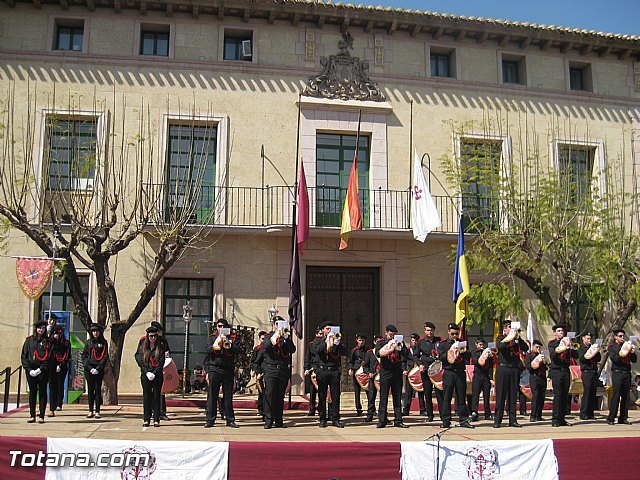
{"x":427,"y":365}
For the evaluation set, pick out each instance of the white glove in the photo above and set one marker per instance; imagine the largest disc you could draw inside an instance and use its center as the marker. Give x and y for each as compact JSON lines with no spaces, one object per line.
{"x":32,"y":373}
{"x":93,"y":371}
{"x":150,"y":376}
{"x":37,"y":372}
{"x":58,"y":369}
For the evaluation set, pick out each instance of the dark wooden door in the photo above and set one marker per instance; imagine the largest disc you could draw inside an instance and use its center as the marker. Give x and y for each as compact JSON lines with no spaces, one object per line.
{"x":349,"y":297}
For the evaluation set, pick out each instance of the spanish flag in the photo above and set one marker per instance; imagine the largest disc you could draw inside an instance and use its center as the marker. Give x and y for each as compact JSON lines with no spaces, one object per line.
{"x":461,"y":279}
{"x":351,"y":213}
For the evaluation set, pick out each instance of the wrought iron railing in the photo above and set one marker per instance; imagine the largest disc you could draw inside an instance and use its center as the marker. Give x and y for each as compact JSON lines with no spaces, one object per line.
{"x":273,"y":205}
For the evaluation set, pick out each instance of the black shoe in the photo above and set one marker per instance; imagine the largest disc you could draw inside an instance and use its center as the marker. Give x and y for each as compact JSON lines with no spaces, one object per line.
{"x":311,"y":413}
{"x":445,"y":425}
{"x":209,"y":424}
{"x":496,"y":425}
{"x":430,"y":418}
{"x":564,"y":423}
{"x":381,"y":425}
{"x":146,"y":423}
{"x":610,"y":422}
{"x":232,"y":424}
{"x":280,"y":425}
{"x":555,"y":424}
{"x":401,"y":425}
{"x":267,"y":426}
{"x":624,"y":422}
{"x":323,"y":424}
{"x":164,"y":417}
{"x":532,"y":419}
{"x":475,"y":417}
{"x":358,"y":413}
{"x":423,"y":414}
{"x":466,"y":424}
{"x":368,"y":419}
{"x":337,"y":423}
{"x":405,"y":413}
{"x":488,"y":417}
{"x":584,"y":417}
{"x":515,"y":425}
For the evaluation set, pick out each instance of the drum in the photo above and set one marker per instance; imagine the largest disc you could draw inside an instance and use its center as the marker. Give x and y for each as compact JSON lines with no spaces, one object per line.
{"x":362,"y":378}
{"x":314,"y":379}
{"x":525,"y":386}
{"x":171,"y":378}
{"x":436,"y":372}
{"x":415,"y":379}
{"x":469,"y":370}
{"x":576,"y":387}
{"x":376,"y":381}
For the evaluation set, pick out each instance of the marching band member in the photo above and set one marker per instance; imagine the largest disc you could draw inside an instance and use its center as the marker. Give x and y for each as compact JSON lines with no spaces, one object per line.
{"x":428,"y":352}
{"x":622,"y":355}
{"x":356,"y":360}
{"x":94,"y":357}
{"x":453,"y":359}
{"x":309,"y":368}
{"x":510,"y":347}
{"x":482,"y":359}
{"x":278,"y":347}
{"x":150,"y":359}
{"x":328,"y":350}
{"x":409,"y":392}
{"x":257,"y":371}
{"x":535,"y":362}
{"x":34,"y":359}
{"x":167,"y":353}
{"x":561,"y":353}
{"x":393,"y":367}
{"x":371,"y":367}
{"x":219,"y":365}
{"x":59,"y":359}
{"x":589,"y":356}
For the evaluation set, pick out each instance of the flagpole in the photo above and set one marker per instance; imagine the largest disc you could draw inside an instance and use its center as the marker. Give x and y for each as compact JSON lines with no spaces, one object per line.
{"x":56,"y":232}
{"x":411,"y":145}
{"x":358,"y":135}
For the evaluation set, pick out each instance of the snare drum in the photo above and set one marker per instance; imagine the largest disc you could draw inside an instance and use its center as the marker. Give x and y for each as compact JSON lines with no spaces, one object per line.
{"x":436,"y":372}
{"x":415,"y":379}
{"x":171,"y":379}
{"x":362,"y":378}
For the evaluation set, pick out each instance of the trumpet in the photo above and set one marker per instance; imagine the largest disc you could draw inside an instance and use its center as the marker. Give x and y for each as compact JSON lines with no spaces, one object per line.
{"x":226,"y":343}
{"x":337,"y":338}
{"x":399,"y":346}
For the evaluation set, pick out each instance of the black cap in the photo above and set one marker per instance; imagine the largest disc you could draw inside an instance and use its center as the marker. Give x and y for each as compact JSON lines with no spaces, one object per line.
{"x":415,"y":336}
{"x":430,"y":325}
{"x":325,"y":324}
{"x":261,"y":332}
{"x":361,"y":335}
{"x":96,"y":326}
{"x":591,"y":334}
{"x":158,"y":326}
{"x":40,"y":323}
{"x":152,"y":329}
{"x":391,"y":328}
{"x":53,"y":315}
{"x":478,"y":340}
{"x":453,"y":326}
{"x":537,"y":342}
{"x":557,"y":326}
{"x":506,"y":323}
{"x":223,"y":321}
{"x":317,"y":330}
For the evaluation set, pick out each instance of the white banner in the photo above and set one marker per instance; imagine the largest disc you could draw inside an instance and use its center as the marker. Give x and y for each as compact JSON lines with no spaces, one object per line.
{"x":424,"y":214}
{"x":170,"y":460}
{"x":487,"y":460}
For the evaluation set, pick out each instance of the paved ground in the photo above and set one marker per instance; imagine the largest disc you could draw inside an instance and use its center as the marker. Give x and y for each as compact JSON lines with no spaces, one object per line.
{"x":125,"y":422}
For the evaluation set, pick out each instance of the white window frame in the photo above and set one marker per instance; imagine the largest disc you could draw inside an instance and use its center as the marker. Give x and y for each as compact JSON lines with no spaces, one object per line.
{"x":505,"y":155}
{"x":238,"y":28}
{"x":41,"y":177}
{"x":599,"y":159}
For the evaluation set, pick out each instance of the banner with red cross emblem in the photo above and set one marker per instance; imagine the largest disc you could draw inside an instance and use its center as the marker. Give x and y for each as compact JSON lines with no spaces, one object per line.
{"x":34,"y":274}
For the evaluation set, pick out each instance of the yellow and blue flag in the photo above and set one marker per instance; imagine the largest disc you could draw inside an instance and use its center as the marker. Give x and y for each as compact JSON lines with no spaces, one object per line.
{"x":461,"y":279}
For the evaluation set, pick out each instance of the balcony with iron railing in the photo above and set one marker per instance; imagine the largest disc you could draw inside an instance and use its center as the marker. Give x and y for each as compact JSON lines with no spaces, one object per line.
{"x":273,"y":205}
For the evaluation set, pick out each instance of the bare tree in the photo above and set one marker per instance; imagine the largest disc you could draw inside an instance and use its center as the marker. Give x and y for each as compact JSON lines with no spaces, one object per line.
{"x":102,"y":187}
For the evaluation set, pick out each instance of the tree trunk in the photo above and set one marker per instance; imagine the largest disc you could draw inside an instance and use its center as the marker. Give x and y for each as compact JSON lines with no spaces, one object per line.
{"x":112,"y":374}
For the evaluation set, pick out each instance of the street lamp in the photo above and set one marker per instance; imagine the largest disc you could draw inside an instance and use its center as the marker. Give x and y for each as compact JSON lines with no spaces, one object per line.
{"x":187,"y":310}
{"x":273,"y":311}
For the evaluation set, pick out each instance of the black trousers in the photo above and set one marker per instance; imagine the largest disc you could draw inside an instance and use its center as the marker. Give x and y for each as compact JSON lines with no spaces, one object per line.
{"x":37,"y":390}
{"x":372,"y":393}
{"x":56,"y":387}
{"x":561,"y":382}
{"x":151,"y":393}
{"x":357,"y":389}
{"x":621,"y":381}
{"x":428,"y":389}
{"x":454,"y":381}
{"x":390,"y":381}
{"x":275,"y":384}
{"x":507,"y":388}
{"x":328,"y":379}
{"x":407,"y":398}
{"x":217,"y":377}
{"x":94,"y":389}
{"x":481,"y":384}
{"x":589,"y":399}
{"x":313,"y":393}
{"x":538,"y":387}
{"x":522,"y":401}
